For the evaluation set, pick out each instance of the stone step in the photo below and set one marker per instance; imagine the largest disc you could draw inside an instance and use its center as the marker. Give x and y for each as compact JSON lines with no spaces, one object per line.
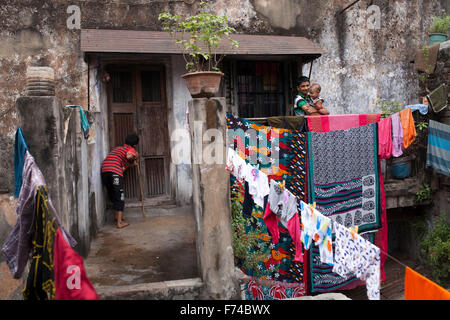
{"x":185,"y":289}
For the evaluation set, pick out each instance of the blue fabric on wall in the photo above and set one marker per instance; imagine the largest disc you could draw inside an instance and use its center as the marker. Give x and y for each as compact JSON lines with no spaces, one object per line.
{"x":20,"y":147}
{"x":423,"y":108}
{"x":84,"y":122}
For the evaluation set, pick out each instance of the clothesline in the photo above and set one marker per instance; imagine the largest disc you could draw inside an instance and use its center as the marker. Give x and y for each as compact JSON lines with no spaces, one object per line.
{"x":382,"y":251}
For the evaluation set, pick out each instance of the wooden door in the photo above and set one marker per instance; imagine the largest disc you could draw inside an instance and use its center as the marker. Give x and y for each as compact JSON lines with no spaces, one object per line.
{"x":137,"y":103}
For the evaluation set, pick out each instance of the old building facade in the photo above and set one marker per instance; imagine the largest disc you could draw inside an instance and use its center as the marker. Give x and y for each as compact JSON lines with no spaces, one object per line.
{"x":358,"y":54}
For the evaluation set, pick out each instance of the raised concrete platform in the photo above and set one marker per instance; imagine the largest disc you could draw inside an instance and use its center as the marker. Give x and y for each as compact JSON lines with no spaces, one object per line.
{"x":187,"y":289}
{"x":149,"y":259}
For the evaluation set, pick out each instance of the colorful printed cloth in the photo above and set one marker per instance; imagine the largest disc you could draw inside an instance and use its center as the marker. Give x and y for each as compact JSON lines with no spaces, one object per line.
{"x":343,"y":171}
{"x":282,"y":155}
{"x":438,"y":151}
{"x":17,"y":246}
{"x":279,"y":264}
{"x":259,"y":289}
{"x":341,"y":121}
{"x":40,"y":283}
{"x":282,"y":206}
{"x":344,"y":183}
{"x":356,"y":256}
{"x":316,"y":227}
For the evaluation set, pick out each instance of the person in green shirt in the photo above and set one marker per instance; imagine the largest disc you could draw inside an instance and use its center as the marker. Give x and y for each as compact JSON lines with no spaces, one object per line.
{"x":302,"y":100}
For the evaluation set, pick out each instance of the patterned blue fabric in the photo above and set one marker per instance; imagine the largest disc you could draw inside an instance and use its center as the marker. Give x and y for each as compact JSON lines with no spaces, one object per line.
{"x":20,"y":147}
{"x":438,"y":152}
{"x":343,"y":181}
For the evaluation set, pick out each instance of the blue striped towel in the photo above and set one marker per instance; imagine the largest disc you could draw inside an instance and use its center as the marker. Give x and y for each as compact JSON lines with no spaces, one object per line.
{"x":438,"y":152}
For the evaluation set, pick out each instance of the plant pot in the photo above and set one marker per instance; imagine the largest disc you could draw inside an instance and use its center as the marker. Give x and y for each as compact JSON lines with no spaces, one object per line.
{"x":437,"y":37}
{"x":401,"y":167}
{"x":203,"y":84}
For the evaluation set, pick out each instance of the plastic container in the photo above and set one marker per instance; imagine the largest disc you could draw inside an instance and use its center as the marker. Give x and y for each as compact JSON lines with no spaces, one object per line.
{"x":437,"y":37}
{"x":401,"y":168}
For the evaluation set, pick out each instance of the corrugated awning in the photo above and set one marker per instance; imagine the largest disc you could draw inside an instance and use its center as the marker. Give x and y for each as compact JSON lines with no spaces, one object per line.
{"x":131,"y":41}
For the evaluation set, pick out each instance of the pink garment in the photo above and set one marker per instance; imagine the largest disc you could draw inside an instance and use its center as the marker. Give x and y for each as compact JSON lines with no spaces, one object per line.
{"x":340,"y":121}
{"x":384,"y":138}
{"x":293,"y":226}
{"x":397,"y":135}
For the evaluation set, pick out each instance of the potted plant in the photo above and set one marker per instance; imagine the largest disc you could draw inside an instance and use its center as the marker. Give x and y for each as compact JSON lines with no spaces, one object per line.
{"x":438,"y":30}
{"x":200,"y":35}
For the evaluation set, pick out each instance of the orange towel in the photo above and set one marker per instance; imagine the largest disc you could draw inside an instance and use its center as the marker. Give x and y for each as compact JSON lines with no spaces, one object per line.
{"x":417,"y":287}
{"x":409,"y":129}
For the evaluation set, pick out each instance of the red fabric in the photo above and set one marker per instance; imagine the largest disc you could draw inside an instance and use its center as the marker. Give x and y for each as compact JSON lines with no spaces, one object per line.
{"x":69,"y":283}
{"x":340,"y":121}
{"x":272,"y":223}
{"x":385,"y":145}
{"x":293,"y":225}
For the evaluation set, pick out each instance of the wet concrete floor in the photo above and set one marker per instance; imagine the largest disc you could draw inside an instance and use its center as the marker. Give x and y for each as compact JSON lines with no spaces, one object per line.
{"x":151,"y":249}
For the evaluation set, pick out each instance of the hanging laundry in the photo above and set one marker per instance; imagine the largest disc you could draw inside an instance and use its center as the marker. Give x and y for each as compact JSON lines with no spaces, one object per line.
{"x":236,"y":165}
{"x":278,"y":264}
{"x":283,"y":155}
{"x":342,"y":170}
{"x":248,"y":204}
{"x":69,"y":270}
{"x":385,"y":146}
{"x":40,"y":283}
{"x":20,"y":148}
{"x":282,"y":206}
{"x":355,"y":255}
{"x":438,"y":150}
{"x":83,"y":120}
{"x":262,"y":289}
{"x":17,"y":246}
{"x":258,"y":184}
{"x":316,"y":227}
{"x":409,"y":129}
{"x":344,"y":183}
{"x":417,"y":287}
{"x":423,"y":108}
{"x":397,"y":135}
{"x":340,"y":121}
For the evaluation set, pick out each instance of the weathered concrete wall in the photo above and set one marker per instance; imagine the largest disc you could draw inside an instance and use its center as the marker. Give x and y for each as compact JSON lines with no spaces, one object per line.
{"x":360,"y":66}
{"x":211,"y":200}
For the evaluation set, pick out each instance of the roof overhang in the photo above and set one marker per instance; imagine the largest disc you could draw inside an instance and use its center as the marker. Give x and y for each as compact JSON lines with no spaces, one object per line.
{"x":157,"y":42}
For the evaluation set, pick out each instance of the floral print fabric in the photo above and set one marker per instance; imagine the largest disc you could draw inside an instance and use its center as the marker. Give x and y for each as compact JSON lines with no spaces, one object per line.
{"x":355,"y":255}
{"x":316,"y":227}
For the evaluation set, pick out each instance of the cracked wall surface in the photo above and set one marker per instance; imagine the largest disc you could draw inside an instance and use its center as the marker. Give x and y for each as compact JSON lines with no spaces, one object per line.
{"x":361,"y":64}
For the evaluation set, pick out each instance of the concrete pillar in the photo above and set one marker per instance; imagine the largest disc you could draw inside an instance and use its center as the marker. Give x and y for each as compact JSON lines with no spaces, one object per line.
{"x":211,"y":199}
{"x":40,"y":118}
